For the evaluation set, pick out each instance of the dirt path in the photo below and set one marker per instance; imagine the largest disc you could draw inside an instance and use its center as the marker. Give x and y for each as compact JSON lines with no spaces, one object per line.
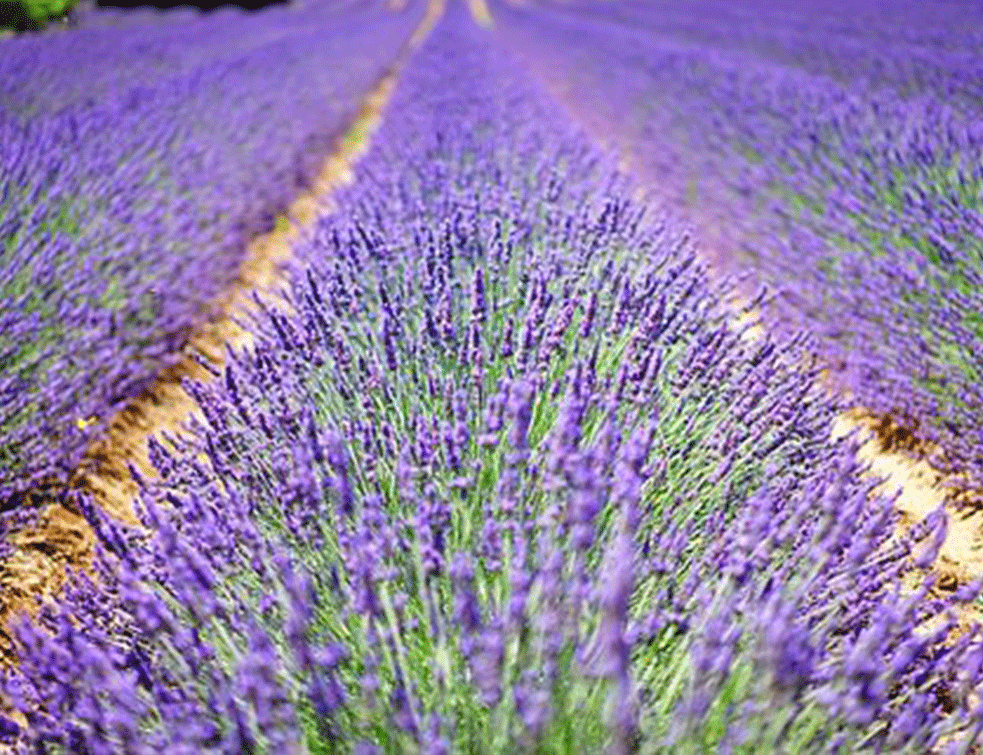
{"x":36,"y":566}
{"x":902,"y":462}
{"x":481,"y":13}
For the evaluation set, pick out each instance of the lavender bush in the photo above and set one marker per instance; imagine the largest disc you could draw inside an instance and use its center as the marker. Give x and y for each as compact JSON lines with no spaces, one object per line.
{"x":835,"y":156}
{"x":503,"y":480}
{"x":134,"y":170}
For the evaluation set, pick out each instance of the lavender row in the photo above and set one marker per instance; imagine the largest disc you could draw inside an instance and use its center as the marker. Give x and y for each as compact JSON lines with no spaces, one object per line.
{"x":504,"y":479}
{"x":133,"y":173}
{"x":858,"y":207}
{"x":81,"y":68}
{"x":928,"y":49}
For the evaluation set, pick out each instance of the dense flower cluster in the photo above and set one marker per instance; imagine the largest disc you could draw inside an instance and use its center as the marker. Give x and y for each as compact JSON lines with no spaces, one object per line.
{"x":502,"y":479}
{"x":838,"y":157}
{"x":135,"y":165}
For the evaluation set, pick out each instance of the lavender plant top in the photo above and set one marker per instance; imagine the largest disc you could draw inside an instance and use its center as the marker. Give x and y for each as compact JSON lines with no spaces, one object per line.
{"x":836,"y":155}
{"x":135,"y":166}
{"x":503,"y":481}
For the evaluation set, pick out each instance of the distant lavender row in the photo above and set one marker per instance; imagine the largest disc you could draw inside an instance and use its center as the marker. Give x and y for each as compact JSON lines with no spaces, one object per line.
{"x":135,"y":166}
{"x":860,"y":208}
{"x":913,"y":49}
{"x":504,"y":481}
{"x":68,"y":71}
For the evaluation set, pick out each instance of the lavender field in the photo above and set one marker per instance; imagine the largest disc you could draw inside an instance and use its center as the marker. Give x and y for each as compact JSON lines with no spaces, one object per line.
{"x":835,"y":152}
{"x":531,"y":449}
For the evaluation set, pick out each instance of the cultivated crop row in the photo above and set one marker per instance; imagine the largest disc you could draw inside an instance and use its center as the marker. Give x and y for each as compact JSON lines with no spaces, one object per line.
{"x":504,"y":478}
{"x":135,"y":166}
{"x":834,"y":155}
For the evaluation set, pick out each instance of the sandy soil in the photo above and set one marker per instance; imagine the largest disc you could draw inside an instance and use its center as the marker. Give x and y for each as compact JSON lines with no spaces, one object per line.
{"x":481,"y":13}
{"x":901,"y":462}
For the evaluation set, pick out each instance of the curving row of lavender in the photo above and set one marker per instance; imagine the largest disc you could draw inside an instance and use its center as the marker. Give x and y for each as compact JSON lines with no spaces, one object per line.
{"x":504,"y":480}
{"x":853,"y":189}
{"x":135,"y":166}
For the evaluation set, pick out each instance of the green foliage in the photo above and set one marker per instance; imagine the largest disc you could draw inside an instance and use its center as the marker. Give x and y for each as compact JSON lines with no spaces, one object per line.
{"x":32,"y":15}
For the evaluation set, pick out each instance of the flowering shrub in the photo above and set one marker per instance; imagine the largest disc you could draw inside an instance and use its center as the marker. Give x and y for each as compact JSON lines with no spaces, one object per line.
{"x":833,"y":152}
{"x":130,"y":186}
{"x":502,"y":480}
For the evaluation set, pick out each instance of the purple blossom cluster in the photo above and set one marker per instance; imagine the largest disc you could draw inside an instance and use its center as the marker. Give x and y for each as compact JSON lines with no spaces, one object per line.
{"x":833,"y":155}
{"x":503,"y":478}
{"x":136,"y":164}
